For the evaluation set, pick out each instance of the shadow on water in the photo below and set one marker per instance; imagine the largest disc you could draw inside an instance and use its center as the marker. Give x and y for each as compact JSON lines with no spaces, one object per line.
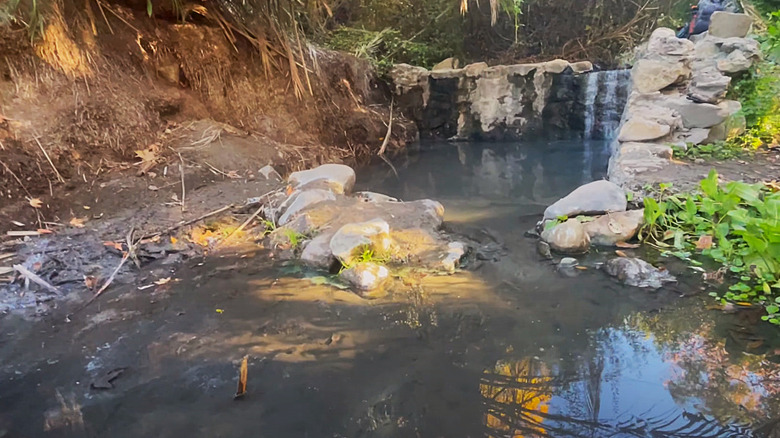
{"x":509,"y":349}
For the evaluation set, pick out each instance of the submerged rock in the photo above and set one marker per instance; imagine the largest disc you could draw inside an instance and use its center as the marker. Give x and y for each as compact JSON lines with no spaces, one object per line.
{"x":612,"y":228}
{"x":353,"y":238}
{"x":338,"y":177}
{"x":365,"y":276}
{"x":637,"y":272}
{"x":568,"y":238}
{"x":597,"y":197}
{"x":543,"y":249}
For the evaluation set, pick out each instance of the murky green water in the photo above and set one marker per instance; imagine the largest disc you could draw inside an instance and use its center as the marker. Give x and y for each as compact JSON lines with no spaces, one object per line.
{"x":512,"y":348}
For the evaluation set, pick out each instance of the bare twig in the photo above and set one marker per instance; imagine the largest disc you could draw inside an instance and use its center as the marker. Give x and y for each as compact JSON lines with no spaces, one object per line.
{"x":45,"y":154}
{"x":110,"y":279}
{"x":389,"y":129}
{"x":8,"y":169}
{"x":35,"y":278}
{"x":181,"y":171}
{"x":189,"y":222}
{"x":251,"y":218}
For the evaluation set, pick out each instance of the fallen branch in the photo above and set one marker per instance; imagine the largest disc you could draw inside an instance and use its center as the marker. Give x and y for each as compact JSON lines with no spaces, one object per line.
{"x":8,"y":169}
{"x":181,"y":171}
{"x":35,"y":278}
{"x":189,"y":222}
{"x":251,"y":218}
{"x":57,"y":172}
{"x":389,"y":129}
{"x":110,"y":279}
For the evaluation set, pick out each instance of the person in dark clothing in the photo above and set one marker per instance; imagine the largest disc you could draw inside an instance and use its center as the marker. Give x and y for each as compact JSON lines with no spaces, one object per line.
{"x":701,"y":15}
{"x":686,"y":30}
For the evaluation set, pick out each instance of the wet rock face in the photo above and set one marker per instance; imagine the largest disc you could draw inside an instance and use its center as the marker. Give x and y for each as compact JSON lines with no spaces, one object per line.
{"x":365,"y":276}
{"x":569,"y":237}
{"x":597,"y":197}
{"x":637,"y":272}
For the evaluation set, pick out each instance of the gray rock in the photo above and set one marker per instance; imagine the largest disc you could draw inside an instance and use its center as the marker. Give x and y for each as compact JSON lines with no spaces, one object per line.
{"x":638,"y":129}
{"x":475,"y":69}
{"x":749,"y":47}
{"x":734,"y":63}
{"x":447,"y":64}
{"x":582,"y":66}
{"x":351,"y":239}
{"x":543,"y":249}
{"x":664,"y":42}
{"x":568,"y":238}
{"x":339,"y":177}
{"x":612,"y":228}
{"x":302,"y":200}
{"x":727,"y":25}
{"x":317,"y":254}
{"x":556,"y":66}
{"x":597,"y":197}
{"x":365,"y":276}
{"x":708,"y":85}
{"x":269,"y":173}
{"x":568,"y":262}
{"x":374,"y":197}
{"x":734,"y":124}
{"x":651,"y":75}
{"x":693,"y":136}
{"x":636,"y":272}
{"x":697,"y":115}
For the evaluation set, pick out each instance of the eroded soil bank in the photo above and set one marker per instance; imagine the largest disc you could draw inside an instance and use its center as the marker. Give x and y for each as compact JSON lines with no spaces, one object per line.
{"x":509,"y":346}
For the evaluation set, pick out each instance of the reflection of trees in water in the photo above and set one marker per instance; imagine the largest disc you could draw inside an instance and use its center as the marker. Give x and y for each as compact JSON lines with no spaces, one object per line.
{"x":517,"y":397}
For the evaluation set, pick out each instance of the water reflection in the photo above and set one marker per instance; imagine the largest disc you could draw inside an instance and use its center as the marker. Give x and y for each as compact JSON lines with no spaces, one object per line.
{"x":630,"y":383}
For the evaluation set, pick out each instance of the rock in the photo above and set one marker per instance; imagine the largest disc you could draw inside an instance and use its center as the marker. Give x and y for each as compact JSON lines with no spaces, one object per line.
{"x":693,"y":136}
{"x":568,"y":238}
{"x":664,"y":42}
{"x":475,"y":69}
{"x":451,"y":260}
{"x":269,"y":173}
{"x":447,"y":64}
{"x":651,"y":75}
{"x":365,"y":276}
{"x":727,"y":25}
{"x":708,"y":85}
{"x":374,"y":197}
{"x":734,"y":63}
{"x":543,"y":249}
{"x":697,"y":115}
{"x":303,"y":200}
{"x":317,"y":253}
{"x":649,"y":150}
{"x":597,"y":197}
{"x":339,"y":177}
{"x":301,"y":224}
{"x":749,"y":47}
{"x":351,"y":239}
{"x":581,"y":66}
{"x":433,"y":209}
{"x":636,"y":272}
{"x":556,"y":66}
{"x":612,"y":228}
{"x":568,"y":262}
{"x":734,"y":124}
{"x":637,"y":129}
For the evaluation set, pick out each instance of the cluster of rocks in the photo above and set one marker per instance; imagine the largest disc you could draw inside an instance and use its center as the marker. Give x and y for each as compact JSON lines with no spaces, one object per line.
{"x":596,"y":214}
{"x":678,"y":97}
{"x":479,"y":101}
{"x":359,"y":235}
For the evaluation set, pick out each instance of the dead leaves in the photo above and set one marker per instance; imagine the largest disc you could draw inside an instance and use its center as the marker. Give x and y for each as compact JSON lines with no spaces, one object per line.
{"x":704,"y":242}
{"x":35,"y":202}
{"x":772,"y":185}
{"x":77,"y":222}
{"x":621,"y":253}
{"x":242,"y":377}
{"x":626,"y":245}
{"x":148,"y":158}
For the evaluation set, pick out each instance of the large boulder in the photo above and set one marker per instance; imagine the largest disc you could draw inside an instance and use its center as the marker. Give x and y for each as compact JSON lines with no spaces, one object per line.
{"x":728,"y":25}
{"x":708,"y":85}
{"x":338,"y":177}
{"x":697,"y":115}
{"x":664,"y":42}
{"x":302,"y":200}
{"x":568,"y":238}
{"x":597,"y":197}
{"x":639,"y":129}
{"x":351,"y":239}
{"x":365,"y":276}
{"x":613,"y":228}
{"x":637,"y":272}
{"x":734,"y":124}
{"x":651,"y":75}
{"x":734,"y":63}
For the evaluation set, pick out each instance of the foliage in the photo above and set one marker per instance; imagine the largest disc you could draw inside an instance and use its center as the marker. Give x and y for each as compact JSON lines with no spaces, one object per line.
{"x":736,"y":225}
{"x":366,"y":254}
{"x":294,"y":237}
{"x":770,"y":42}
{"x":721,"y":150}
{"x":30,"y":14}
{"x":384,"y":48}
{"x":759,"y":93}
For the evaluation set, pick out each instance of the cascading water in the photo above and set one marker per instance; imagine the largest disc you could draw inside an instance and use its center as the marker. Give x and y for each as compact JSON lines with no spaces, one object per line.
{"x":604,"y":96}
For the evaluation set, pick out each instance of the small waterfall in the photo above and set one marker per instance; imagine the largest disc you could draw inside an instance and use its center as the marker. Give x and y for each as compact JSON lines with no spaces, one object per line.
{"x":603,"y":98}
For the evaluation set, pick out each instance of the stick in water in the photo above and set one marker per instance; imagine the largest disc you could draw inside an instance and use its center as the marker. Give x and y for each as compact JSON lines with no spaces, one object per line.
{"x":35,"y":279}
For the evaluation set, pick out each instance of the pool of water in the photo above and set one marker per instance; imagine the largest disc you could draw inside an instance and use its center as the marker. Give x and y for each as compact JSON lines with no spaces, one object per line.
{"x":508,"y":348}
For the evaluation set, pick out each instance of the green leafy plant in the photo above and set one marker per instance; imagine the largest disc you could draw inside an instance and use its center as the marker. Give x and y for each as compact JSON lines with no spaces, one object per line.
{"x":736,"y":225}
{"x":294,"y":237}
{"x":721,"y":150}
{"x":366,"y":254}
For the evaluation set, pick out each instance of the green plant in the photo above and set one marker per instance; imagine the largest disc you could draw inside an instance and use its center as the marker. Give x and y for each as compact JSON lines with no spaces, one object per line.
{"x":294,"y":237}
{"x":366,"y":254}
{"x":721,"y":150}
{"x":736,"y":225}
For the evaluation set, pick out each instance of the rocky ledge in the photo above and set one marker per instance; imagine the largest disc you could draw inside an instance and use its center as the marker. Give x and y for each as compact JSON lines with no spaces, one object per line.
{"x":361,"y":236}
{"x":678,"y":97}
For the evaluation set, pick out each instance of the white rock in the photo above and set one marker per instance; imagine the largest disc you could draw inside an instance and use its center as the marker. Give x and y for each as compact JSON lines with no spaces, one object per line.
{"x":568,"y":238}
{"x":350,"y":239}
{"x":612,"y":228}
{"x":365,"y":276}
{"x":697,"y":115}
{"x":339,"y":177}
{"x":303,"y":200}
{"x":455,"y":252}
{"x":597,"y":197}
{"x":651,"y":75}
{"x":556,"y":66}
{"x":582,"y":66}
{"x":638,"y":129}
{"x":269,"y":173}
{"x":727,"y":25}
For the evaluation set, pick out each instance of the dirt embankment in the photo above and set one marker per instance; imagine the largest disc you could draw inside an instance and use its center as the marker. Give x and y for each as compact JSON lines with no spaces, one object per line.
{"x":104,"y":80}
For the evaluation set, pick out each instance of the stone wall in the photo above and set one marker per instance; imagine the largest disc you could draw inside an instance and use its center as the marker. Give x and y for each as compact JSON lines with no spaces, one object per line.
{"x":678,"y":98}
{"x":504,"y":102}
